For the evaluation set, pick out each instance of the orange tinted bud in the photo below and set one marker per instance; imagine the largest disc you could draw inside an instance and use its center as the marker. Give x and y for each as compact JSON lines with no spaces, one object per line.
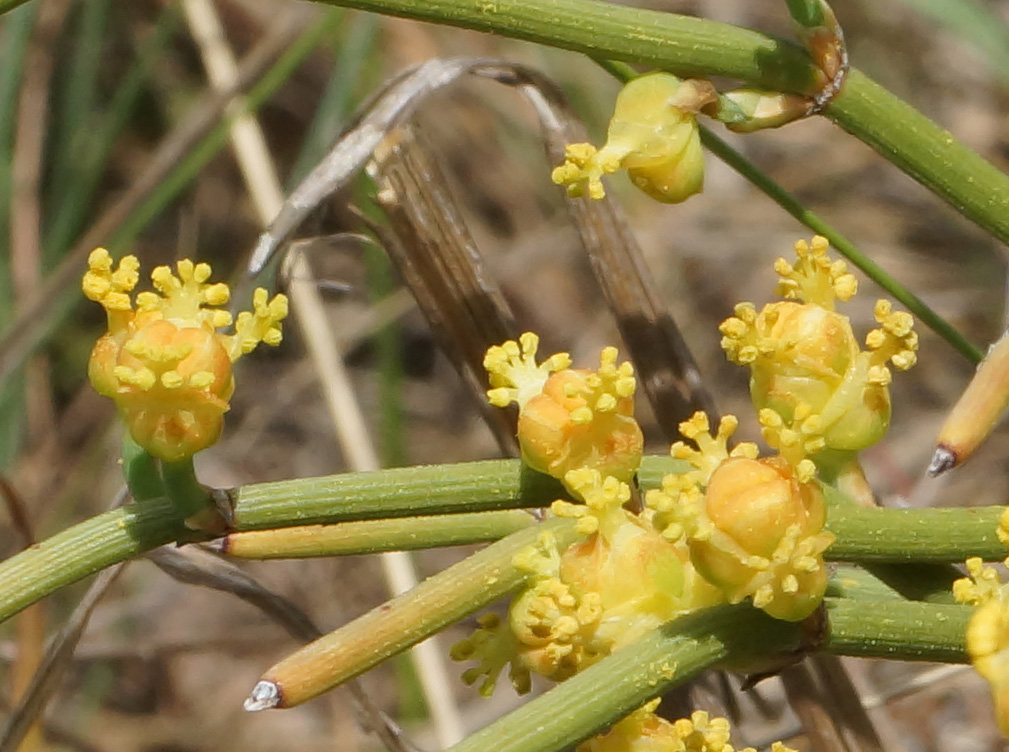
{"x":765,"y":538}
{"x":568,"y":418}
{"x":754,"y":527}
{"x":577,"y":423}
{"x":164,"y":363}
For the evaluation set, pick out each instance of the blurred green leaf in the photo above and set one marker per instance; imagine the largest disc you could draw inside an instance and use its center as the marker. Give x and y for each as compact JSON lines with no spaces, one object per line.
{"x":975,"y":22}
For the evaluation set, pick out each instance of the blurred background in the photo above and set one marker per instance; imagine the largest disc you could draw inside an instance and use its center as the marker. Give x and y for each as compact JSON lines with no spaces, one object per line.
{"x":94,"y":97}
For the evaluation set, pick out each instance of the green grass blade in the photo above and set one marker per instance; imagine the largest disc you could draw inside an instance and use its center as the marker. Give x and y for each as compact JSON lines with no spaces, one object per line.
{"x":977,"y":23}
{"x":218,"y":138}
{"x":71,"y":211}
{"x":355,"y":48}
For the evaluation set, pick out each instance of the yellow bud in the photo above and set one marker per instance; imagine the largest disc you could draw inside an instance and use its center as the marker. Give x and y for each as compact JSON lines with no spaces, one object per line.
{"x":805,"y":362}
{"x":988,"y":647}
{"x":653,"y":134}
{"x":559,"y":430}
{"x":755,"y":531}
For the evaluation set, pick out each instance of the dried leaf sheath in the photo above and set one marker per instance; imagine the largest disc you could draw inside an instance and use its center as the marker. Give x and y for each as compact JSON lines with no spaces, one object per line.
{"x":666,"y":369}
{"x":438,"y":258}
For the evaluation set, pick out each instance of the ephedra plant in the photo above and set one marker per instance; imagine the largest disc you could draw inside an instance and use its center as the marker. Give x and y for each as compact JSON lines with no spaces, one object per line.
{"x":626,"y":575}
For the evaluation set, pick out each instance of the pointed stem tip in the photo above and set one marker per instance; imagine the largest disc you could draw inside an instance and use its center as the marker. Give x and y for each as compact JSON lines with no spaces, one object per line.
{"x":942,"y":460}
{"x":265,"y":695}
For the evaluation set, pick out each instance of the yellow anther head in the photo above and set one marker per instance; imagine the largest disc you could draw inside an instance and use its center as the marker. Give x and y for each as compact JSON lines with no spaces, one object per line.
{"x":513,"y":372}
{"x":895,"y":340}
{"x":814,"y":278}
{"x":164,"y":362}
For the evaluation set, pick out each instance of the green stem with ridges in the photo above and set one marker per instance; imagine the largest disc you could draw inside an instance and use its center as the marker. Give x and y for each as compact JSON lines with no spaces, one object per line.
{"x":938,"y":534}
{"x":395,"y":492}
{"x":376,"y":536}
{"x":84,"y":549}
{"x":407,"y":619}
{"x":684,"y":45}
{"x":898,"y":630}
{"x":729,"y":635}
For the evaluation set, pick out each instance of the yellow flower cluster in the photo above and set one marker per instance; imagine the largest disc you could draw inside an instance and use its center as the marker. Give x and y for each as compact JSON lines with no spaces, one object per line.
{"x":988,"y":629}
{"x":815,"y":388}
{"x":164,"y":362}
{"x":731,"y":526}
{"x":623,"y":578}
{"x":621,"y":581}
{"x":643,"y":731}
{"x":653,"y":135}
{"x":754,"y":527}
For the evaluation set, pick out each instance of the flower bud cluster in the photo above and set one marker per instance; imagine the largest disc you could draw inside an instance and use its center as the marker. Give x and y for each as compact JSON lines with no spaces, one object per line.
{"x":754,"y":527}
{"x":653,"y":134}
{"x":568,"y":418}
{"x":164,"y":362}
{"x":623,"y":578}
{"x":643,"y":731}
{"x":988,"y":630}
{"x":814,"y":387}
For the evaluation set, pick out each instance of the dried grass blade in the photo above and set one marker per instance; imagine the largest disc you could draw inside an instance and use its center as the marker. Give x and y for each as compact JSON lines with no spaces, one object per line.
{"x":191,"y":568}
{"x":58,"y":656}
{"x":40,"y":314}
{"x":807,"y":701}
{"x":667,"y":371}
{"x":439,"y":260}
{"x":849,"y":712}
{"x":665,"y":366}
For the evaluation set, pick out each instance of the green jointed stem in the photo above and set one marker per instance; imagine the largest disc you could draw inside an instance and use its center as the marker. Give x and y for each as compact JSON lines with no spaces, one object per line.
{"x":899,"y":630}
{"x":396,"y":625}
{"x":397,"y":492}
{"x":375,"y":536}
{"x":915,"y":535}
{"x":84,"y":549}
{"x":684,"y":45}
{"x":696,"y":47}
